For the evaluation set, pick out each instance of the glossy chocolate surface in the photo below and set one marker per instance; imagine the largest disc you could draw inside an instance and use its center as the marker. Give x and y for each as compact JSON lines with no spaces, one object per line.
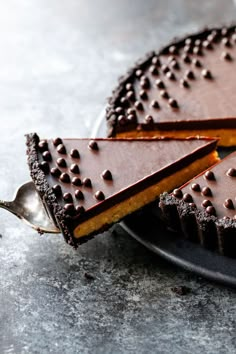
{"x":191,"y":82}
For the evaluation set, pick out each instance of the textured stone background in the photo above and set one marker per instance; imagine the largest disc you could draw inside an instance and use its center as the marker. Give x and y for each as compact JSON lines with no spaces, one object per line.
{"x":59,"y":61}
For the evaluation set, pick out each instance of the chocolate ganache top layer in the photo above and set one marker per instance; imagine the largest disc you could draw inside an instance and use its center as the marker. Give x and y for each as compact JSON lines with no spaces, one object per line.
{"x":213,"y":191}
{"x":79,"y":178}
{"x":190,"y":84}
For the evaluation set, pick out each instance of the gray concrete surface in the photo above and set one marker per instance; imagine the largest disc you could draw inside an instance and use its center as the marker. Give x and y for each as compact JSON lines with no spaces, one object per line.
{"x":59,"y":60}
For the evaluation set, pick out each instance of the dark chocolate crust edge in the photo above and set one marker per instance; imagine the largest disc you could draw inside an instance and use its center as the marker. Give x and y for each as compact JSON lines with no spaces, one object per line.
{"x":218,"y":234}
{"x":46,"y":193}
{"x":142,"y":63}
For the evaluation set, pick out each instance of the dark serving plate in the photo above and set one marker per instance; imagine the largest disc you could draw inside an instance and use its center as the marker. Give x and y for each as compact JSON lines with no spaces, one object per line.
{"x":147,"y":228}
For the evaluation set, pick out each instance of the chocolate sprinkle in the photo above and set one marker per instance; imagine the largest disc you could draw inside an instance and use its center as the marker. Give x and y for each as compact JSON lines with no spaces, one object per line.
{"x":99,"y":195}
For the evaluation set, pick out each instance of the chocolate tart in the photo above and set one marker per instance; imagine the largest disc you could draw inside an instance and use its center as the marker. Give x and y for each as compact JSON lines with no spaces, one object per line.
{"x":204,"y":209}
{"x":185,"y":89}
{"x":87,"y":185}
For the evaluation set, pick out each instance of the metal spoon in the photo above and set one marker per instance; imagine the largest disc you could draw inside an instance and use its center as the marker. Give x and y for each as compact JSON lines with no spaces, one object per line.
{"x":28,"y":206}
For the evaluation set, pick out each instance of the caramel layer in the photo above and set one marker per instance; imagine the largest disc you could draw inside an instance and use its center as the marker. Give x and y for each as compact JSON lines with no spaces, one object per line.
{"x":117,"y":212}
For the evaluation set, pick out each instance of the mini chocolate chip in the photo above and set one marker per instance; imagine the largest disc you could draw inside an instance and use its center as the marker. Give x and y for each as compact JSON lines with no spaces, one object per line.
{"x":155,"y":104}
{"x":171,"y":58}
{"x":189,"y":75}
{"x":186,"y":58}
{"x":55,"y":172}
{"x":231,"y":172}
{"x":224,"y":31}
{"x":196,"y":62}
{"x":144,"y":78}
{"x":93,"y":145}
{"x":206,"y":74}
{"x":139,"y":73}
{"x":164,"y":94}
{"x":188,"y":41}
{"x":184,"y":83}
{"x":130,"y":96}
{"x":79,"y":194}
{"x":234,"y":37}
{"x":170,"y":76}
{"x":226,"y":56}
{"x":106,"y":174}
{"x":175,"y":65}
{"x":87,"y":182}
{"x":211,"y":210}
{"x":76,"y":181}
{"x":64,"y":177}
{"x":226,"y":42}
{"x":197,"y":50}
{"x":74,"y":153}
{"x":99,"y":195}
{"x":119,"y":110}
{"x":68,"y":197}
{"x":192,"y":205}
{"x":206,"y":191}
{"x":188,"y":49}
{"x":122,"y":120}
{"x":138,"y":105}
{"x":145,"y":84}
{"x":156,"y":61}
{"x":124,"y":102}
{"x":47,"y":156}
{"x":206,"y":44}
{"x":173,"y":103}
{"x":143,"y":95}
{"x":61,"y":162}
{"x":187,"y":198}
{"x":74,"y":168}
{"x":165,"y":68}
{"x":228,"y":203}
{"x":206,"y":203}
{"x":69,"y":208}
{"x":131,"y":111}
{"x":209,"y":175}
{"x":44,"y":166}
{"x":195,"y":187}
{"x":173,"y":49}
{"x":153,"y":70}
{"x":129,"y":87}
{"x":43,"y":145}
{"x":160,"y":84}
{"x":132,"y":118}
{"x":178,"y":193}
{"x":61,"y":149}
{"x":80,"y":209}
{"x":57,"y":190}
{"x":149,"y":119}
{"x":198,"y":42}
{"x":57,"y":141}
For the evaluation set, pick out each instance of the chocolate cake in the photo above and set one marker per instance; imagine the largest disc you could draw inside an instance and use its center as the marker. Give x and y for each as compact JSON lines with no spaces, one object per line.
{"x":185,"y":89}
{"x":204,"y":209}
{"x":87,"y":185}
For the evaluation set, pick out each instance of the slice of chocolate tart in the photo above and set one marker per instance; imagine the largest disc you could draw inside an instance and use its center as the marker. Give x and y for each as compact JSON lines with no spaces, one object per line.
{"x":87,"y":185}
{"x":187,"y":88}
{"x":204,"y":209}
